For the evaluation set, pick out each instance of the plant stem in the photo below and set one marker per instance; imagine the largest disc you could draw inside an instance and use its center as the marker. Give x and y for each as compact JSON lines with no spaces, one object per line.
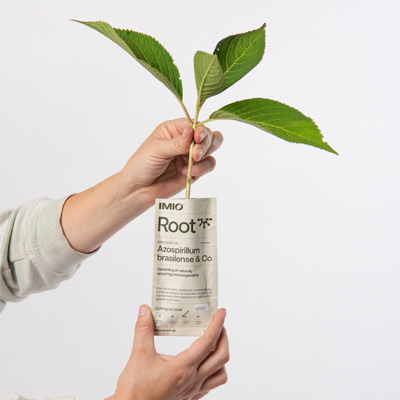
{"x":185,"y":110}
{"x":190,"y":161}
{"x":205,"y":122}
{"x":189,"y":174}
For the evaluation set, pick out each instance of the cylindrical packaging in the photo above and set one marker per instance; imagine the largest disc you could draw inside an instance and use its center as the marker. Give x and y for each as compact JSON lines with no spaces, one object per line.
{"x":185,"y":269}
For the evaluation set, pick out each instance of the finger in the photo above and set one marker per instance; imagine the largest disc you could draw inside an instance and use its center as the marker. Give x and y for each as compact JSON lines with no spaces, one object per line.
{"x":201,"y":133}
{"x":200,"y":396}
{"x":144,"y":331}
{"x":201,"y":168}
{"x":206,"y":344}
{"x":174,"y":127}
{"x":203,"y":137}
{"x":176,"y":146}
{"x":215,"y":380}
{"x":217,"y":358}
{"x":217,"y":140}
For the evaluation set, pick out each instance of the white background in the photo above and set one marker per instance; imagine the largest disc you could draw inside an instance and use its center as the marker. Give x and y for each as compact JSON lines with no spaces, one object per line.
{"x":308,"y":241}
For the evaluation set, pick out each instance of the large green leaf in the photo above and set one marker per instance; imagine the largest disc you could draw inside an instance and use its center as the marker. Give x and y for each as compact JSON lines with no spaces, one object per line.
{"x":239,"y":54}
{"x":276,"y":118}
{"x":209,"y":76}
{"x":147,"y":51}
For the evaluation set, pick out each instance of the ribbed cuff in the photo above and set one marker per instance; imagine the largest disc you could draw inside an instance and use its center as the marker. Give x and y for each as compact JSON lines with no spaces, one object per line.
{"x":12,"y":396}
{"x":49,"y":248}
{"x":16,"y":396}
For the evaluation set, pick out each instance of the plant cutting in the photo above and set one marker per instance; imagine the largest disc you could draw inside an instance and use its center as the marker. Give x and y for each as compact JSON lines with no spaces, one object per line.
{"x":185,"y":291}
{"x":233,"y":58}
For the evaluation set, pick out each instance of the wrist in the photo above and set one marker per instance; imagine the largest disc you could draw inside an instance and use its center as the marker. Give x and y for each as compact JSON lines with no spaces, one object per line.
{"x":91,"y":217}
{"x":122,"y":396}
{"x":132,"y":199}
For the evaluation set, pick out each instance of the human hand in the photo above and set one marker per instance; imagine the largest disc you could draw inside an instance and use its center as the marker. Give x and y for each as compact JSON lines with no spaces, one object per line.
{"x":188,"y":376}
{"x":156,"y":170}
{"x":159,"y":167}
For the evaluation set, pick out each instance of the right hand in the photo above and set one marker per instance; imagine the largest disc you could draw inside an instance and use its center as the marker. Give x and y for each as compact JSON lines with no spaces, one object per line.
{"x":158,"y":168}
{"x":188,"y":376}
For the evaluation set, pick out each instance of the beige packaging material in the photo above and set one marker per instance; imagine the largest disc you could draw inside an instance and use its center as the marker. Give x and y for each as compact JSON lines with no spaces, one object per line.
{"x":185,"y":271}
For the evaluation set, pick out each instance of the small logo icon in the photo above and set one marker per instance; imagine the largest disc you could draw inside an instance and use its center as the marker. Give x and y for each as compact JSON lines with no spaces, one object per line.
{"x":186,"y":315}
{"x":204,"y":222}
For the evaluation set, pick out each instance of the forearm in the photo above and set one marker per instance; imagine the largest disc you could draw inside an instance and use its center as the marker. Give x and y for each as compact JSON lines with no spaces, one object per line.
{"x":93,"y":216}
{"x":155,"y":170}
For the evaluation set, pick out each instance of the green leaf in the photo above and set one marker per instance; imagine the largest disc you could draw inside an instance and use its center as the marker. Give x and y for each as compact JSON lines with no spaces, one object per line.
{"x":239,"y":54}
{"x":209,"y":76}
{"x":147,"y":51}
{"x":276,"y":118}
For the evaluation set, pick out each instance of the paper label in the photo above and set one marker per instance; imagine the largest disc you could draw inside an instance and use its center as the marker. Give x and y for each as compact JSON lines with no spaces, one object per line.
{"x":185,"y":268}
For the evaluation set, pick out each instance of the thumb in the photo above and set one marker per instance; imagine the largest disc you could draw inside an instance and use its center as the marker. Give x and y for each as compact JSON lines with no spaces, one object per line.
{"x":178,"y":145}
{"x":144,"y":331}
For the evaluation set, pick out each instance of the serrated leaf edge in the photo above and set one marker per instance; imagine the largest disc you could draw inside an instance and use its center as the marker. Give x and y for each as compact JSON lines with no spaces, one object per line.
{"x":155,"y":72}
{"x":152,"y":37}
{"x":329,"y":148}
{"x":237,"y":34}
{"x":199,"y":92}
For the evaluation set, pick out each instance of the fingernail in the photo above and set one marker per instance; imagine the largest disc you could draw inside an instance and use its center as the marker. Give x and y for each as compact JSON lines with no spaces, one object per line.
{"x":142,"y":310}
{"x":202,"y":135}
{"x":200,"y":154}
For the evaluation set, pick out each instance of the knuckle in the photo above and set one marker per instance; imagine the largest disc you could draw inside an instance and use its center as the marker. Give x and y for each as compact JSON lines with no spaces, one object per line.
{"x":142,"y":326}
{"x":160,"y":126}
{"x":213,"y":162}
{"x":212,"y":344}
{"x":220,"y":137}
{"x":178,"y":146}
{"x":225,"y":357}
{"x":224,"y":379}
{"x":201,"y":395}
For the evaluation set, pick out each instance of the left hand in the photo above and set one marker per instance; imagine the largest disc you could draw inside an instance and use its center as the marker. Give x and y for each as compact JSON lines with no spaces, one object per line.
{"x":190,"y":375}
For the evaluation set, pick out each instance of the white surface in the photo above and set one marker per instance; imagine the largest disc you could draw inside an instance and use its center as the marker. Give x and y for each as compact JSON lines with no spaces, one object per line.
{"x":311,"y":283}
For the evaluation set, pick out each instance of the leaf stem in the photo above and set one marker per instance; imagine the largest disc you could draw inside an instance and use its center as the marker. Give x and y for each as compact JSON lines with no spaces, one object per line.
{"x":205,"y":122}
{"x":185,"y":110}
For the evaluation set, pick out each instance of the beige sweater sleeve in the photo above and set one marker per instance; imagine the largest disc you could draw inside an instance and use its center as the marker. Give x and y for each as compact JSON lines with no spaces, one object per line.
{"x":34,"y":255}
{"x":15,"y":396}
